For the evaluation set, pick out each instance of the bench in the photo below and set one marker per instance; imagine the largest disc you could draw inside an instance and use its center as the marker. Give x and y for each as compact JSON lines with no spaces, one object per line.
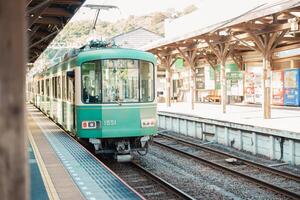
{"x":212,"y":98}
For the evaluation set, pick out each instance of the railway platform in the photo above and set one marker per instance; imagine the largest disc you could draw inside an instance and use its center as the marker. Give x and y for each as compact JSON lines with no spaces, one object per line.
{"x":242,"y":127}
{"x":282,"y":119}
{"x":65,"y":168}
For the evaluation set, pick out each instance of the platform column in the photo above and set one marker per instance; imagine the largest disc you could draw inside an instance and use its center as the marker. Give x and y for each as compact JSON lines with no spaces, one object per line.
{"x":167,"y":60}
{"x":212,"y":60}
{"x":13,"y":159}
{"x":190,"y":57}
{"x":265,"y":44}
{"x":222,"y":51}
{"x":223,"y":85}
{"x":266,"y":85}
{"x":168,"y":86}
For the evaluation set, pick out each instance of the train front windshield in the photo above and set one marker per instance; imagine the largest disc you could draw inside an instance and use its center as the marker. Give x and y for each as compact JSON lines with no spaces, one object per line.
{"x":118,"y":80}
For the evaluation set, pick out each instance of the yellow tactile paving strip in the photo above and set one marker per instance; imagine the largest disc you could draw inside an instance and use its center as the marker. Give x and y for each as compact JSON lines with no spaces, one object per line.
{"x":58,"y":182}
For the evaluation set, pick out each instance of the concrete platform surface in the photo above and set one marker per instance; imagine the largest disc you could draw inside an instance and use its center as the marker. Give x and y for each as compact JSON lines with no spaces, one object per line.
{"x":69,"y":170}
{"x":37,"y":187}
{"x":282,"y":119}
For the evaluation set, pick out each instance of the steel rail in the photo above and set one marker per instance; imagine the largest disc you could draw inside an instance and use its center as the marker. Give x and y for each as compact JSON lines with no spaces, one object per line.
{"x":249,"y":162}
{"x":214,"y":165}
{"x":176,"y":191}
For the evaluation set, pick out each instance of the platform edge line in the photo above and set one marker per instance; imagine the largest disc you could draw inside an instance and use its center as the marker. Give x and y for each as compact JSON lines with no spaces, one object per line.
{"x":52,"y":194}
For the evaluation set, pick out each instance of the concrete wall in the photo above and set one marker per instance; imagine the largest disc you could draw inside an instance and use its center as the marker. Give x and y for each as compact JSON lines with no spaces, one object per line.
{"x":250,"y":139}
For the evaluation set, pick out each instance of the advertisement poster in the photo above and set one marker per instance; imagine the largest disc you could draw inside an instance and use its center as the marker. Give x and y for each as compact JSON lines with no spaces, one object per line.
{"x":277,"y":87}
{"x":200,"y":78}
{"x":215,"y":75}
{"x":235,"y":83}
{"x":249,"y":87}
{"x":253,"y":84}
{"x":209,"y":80}
{"x":291,"y":87}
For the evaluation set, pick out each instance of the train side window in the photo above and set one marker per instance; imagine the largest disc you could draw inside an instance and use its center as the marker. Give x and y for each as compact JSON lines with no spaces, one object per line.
{"x":67,"y":88}
{"x":39,"y":87}
{"x":146,"y":81}
{"x":70,"y":89}
{"x":47,"y":87}
{"x":91,"y":82}
{"x":64,"y":87}
{"x":58,"y":87}
{"x":42,"y":91}
{"x":53,"y":95}
{"x":54,"y":87}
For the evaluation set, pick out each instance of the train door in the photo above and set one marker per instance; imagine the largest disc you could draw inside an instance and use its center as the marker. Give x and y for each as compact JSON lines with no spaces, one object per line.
{"x":64,"y":103}
{"x":71,"y":99}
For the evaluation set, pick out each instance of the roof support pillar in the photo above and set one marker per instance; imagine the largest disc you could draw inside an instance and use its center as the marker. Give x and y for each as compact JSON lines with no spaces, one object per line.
{"x":265,"y":44}
{"x":190,"y":56}
{"x":212,"y":60}
{"x":168,"y":86}
{"x":266,"y":85}
{"x":35,"y":12}
{"x":223,"y":81}
{"x":238,"y":60}
{"x":168,"y":61}
{"x":13,"y":159}
{"x":222,"y":51}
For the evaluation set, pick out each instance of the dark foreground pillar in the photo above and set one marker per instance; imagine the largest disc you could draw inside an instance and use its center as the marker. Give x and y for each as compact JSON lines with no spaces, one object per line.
{"x":13,"y":167}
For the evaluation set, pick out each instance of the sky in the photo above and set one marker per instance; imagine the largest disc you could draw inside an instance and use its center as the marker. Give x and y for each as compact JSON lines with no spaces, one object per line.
{"x":142,"y":7}
{"x":131,"y":7}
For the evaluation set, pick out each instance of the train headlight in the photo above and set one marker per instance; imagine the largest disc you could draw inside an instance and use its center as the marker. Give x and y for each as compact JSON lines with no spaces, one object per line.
{"x":148,"y":123}
{"x":90,"y":124}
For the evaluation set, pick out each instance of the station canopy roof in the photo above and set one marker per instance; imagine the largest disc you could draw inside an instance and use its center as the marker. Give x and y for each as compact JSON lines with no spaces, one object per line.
{"x":45,"y":19}
{"x":271,"y":17}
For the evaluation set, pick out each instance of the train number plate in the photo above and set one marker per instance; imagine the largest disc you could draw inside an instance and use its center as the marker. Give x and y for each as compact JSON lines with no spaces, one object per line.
{"x":111,"y":122}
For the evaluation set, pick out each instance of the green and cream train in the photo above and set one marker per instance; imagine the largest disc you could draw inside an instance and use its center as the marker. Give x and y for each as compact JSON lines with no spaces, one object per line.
{"x":102,"y":95}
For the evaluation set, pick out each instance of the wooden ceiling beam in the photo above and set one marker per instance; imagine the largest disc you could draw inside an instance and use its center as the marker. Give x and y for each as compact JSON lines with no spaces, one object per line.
{"x":28,"y":2}
{"x":34,"y":13}
{"x":286,"y":15}
{"x":57,"y":12}
{"x":49,"y":20}
{"x":212,"y":60}
{"x":67,"y":2}
{"x":51,"y":35}
{"x":297,"y":9}
{"x":291,"y":39}
{"x":39,"y":34}
{"x":32,"y":31}
{"x":238,"y":60}
{"x":264,"y":21}
{"x":250,"y":26}
{"x":277,"y":40}
{"x":283,"y":48}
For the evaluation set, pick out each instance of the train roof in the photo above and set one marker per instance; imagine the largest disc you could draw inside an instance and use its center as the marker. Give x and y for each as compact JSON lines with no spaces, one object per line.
{"x":84,"y":55}
{"x":114,"y":53}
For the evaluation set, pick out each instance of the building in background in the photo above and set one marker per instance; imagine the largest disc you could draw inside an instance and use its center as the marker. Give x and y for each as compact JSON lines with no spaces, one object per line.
{"x":244,"y":83}
{"x":136,"y":38}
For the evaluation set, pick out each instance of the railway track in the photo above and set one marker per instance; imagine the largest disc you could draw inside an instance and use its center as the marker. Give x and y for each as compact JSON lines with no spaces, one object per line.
{"x":146,"y":183}
{"x":280,"y":182}
{"x":149,"y":185}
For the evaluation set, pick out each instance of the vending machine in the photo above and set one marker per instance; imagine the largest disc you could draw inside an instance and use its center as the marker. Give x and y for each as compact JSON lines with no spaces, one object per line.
{"x":292,"y":87}
{"x":277,"y":88}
